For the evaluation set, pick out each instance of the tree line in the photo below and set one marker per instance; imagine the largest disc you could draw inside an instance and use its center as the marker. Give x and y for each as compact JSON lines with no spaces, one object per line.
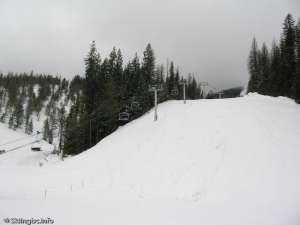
{"x":276,"y":72}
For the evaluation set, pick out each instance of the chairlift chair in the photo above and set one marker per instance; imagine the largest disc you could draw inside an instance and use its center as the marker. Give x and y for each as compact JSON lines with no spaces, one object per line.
{"x":36,"y":147}
{"x":175,"y":91}
{"x":124,"y":113}
{"x":124,"y":116}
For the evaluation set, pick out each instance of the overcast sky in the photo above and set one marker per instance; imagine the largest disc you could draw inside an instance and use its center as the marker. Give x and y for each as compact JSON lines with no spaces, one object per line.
{"x":210,"y":38}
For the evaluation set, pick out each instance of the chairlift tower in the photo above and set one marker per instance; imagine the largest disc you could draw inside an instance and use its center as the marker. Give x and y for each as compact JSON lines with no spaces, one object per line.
{"x":203,"y":84}
{"x":155,"y":89}
{"x":220,"y":93}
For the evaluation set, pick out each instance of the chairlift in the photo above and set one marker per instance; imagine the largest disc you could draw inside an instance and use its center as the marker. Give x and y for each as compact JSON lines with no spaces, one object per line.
{"x":124,"y":116}
{"x":36,"y":147}
{"x":135,"y":106}
{"x":175,"y":91}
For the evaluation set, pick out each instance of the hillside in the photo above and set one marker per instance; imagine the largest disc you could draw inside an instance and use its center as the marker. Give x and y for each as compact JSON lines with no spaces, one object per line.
{"x":224,"y":161}
{"x":32,"y":102}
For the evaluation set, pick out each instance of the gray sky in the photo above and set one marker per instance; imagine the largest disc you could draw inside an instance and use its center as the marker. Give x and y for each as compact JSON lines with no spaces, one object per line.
{"x":210,"y":38}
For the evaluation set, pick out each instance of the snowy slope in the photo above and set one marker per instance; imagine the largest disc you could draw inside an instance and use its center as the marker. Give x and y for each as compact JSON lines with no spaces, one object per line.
{"x":233,"y":161}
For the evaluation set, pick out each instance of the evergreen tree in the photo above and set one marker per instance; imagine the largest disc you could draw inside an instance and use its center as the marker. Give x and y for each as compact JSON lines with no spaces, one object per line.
{"x":53,"y":122}
{"x":2,"y":118}
{"x":113,"y":61}
{"x":29,"y":127}
{"x":276,"y":78}
{"x":148,"y":71}
{"x":148,"y":67}
{"x":108,"y":109}
{"x":71,"y":138}
{"x":29,"y":109}
{"x":136,"y":79}
{"x":46,"y":130}
{"x":11,"y":121}
{"x":137,"y":86}
{"x":253,"y":66}
{"x":94,"y":82}
{"x":92,"y":69}
{"x":288,"y":42}
{"x":19,"y":113}
{"x":177,"y":85}
{"x":296,"y":85}
{"x":119,"y":67}
{"x":189,"y":91}
{"x":50,"y":138}
{"x":171,"y":80}
{"x":116,"y":63}
{"x":193,"y":89}
{"x":264,"y":66}
{"x":105,"y":74}
{"x":62,"y":122}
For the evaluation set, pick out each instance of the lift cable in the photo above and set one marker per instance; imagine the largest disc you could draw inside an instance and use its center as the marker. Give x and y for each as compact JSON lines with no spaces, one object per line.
{"x":21,"y":146}
{"x":16,"y":140}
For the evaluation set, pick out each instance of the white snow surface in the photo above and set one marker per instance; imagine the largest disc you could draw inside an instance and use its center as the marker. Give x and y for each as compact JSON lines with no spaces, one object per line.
{"x":208,"y":162}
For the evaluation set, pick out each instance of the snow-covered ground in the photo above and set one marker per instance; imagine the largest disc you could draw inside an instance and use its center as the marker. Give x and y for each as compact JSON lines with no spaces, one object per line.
{"x":17,"y":146}
{"x":209,"y":162}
